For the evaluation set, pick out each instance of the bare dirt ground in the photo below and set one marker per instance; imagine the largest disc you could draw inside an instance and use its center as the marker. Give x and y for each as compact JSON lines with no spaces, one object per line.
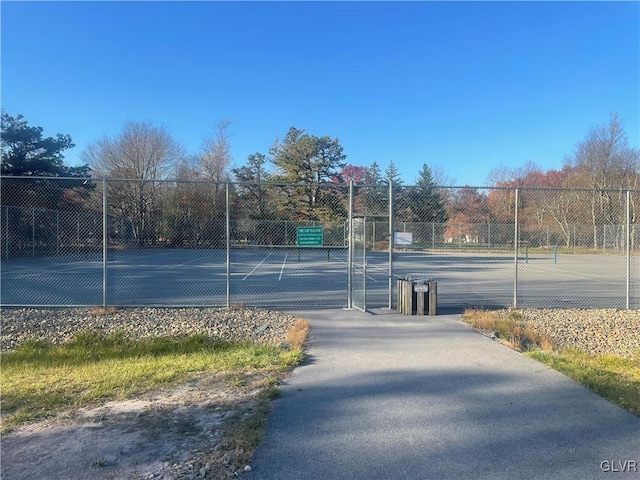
{"x":178,"y":433}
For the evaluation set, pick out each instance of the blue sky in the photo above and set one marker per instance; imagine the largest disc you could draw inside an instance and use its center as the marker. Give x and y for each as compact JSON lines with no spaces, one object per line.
{"x":462,"y":86}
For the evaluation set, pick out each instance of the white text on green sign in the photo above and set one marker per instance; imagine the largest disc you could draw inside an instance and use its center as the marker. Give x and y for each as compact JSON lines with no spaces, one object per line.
{"x":309,"y":236}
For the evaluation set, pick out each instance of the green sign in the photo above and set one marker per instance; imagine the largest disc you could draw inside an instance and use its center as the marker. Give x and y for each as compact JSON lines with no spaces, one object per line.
{"x":309,"y":236}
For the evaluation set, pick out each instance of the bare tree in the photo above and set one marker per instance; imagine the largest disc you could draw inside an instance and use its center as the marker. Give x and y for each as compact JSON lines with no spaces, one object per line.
{"x":440,"y":177}
{"x":142,"y":154}
{"x":216,"y":155}
{"x":526,"y":175}
{"x":140,"y":151}
{"x":215,"y":161}
{"x":604,"y":161}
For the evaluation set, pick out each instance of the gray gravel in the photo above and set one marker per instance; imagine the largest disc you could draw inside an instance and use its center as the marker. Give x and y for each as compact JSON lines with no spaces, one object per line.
{"x":601,"y":331}
{"x":598,"y":331}
{"x":59,"y":325}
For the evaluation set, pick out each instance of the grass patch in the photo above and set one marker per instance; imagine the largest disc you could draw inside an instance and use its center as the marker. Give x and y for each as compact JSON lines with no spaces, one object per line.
{"x":508,"y":330}
{"x":613,"y":377}
{"x":616,"y":379}
{"x":41,"y":379}
{"x":298,"y":333}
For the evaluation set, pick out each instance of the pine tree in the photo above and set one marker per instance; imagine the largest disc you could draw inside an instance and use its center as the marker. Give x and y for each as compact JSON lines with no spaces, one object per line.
{"x":425,"y":202}
{"x":391,"y":174}
{"x":308,"y":161}
{"x":375,"y":196}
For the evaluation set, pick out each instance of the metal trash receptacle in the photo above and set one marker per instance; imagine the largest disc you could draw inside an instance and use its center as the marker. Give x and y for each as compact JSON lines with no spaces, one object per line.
{"x":417,"y":297}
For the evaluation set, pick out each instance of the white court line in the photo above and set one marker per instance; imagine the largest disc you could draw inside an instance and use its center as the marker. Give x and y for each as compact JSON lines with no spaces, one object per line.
{"x":359,"y":272}
{"x":368,"y":266}
{"x":254,"y":268}
{"x":565,"y":273}
{"x":283,"y":264}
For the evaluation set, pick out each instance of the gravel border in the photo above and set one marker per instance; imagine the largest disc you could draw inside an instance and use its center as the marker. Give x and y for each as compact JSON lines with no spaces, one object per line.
{"x":597,"y":331}
{"x":60,"y":325}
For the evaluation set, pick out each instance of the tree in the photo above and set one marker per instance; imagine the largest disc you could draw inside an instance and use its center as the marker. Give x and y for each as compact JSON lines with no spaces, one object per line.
{"x":372,"y":175}
{"x":140,"y":154}
{"x":215,"y":160}
{"x":528,"y":175}
{"x":466,"y":217}
{"x":604,"y":160}
{"x":186,"y":208}
{"x":216,"y":153}
{"x":391,"y":174}
{"x":425,"y":201}
{"x":353,"y":173}
{"x":251,"y":191}
{"x":308,"y":161}
{"x":329,"y":161}
{"x":375,"y":196}
{"x":26,"y":152}
{"x":564,"y":206}
{"x":357,"y":175}
{"x":141,"y":151}
{"x":401,"y":207}
{"x":441,"y":178}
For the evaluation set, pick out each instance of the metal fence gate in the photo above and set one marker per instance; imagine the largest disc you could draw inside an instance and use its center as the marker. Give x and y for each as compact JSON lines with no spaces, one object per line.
{"x":359,"y":263}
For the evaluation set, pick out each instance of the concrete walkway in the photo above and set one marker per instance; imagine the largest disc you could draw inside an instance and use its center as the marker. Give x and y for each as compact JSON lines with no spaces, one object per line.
{"x":387,"y":396}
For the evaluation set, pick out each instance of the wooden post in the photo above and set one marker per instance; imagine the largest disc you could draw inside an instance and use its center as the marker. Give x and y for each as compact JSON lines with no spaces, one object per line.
{"x":406,"y":297}
{"x":420,"y":299}
{"x":433,"y":298}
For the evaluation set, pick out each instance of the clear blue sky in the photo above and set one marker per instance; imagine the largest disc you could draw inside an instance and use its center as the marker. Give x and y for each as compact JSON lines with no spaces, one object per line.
{"x":462,"y":86}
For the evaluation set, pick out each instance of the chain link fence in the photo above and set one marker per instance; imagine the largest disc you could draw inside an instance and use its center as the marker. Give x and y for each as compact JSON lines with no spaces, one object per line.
{"x":86,"y":242}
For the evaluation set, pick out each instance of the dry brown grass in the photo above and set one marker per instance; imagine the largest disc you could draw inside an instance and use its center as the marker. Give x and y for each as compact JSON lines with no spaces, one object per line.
{"x":297,"y":335}
{"x":481,"y":319}
{"x":103,"y":310}
{"x":511,"y":330}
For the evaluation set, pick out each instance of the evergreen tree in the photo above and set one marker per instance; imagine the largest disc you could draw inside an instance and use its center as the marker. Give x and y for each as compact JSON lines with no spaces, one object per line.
{"x":425,"y":201}
{"x":373,"y":175}
{"x":26,"y":152}
{"x":308,"y":161}
{"x":375,"y":192}
{"x":251,"y":192}
{"x":391,"y":174}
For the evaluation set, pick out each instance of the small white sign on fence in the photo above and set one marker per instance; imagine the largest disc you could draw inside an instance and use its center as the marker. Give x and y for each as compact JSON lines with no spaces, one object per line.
{"x":403,"y":238}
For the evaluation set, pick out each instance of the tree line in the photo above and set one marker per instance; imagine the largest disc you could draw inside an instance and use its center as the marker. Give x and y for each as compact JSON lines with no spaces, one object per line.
{"x":168,"y":193}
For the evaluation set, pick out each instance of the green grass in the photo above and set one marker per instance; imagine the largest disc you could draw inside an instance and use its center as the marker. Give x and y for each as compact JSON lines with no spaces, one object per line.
{"x":616,"y":379}
{"x":40,"y":379}
{"x":613,"y":377}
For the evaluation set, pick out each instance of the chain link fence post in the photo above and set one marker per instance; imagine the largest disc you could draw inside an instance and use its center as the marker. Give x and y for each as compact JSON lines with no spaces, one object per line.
{"x":516,"y":245}
{"x":228,"y":245}
{"x":391,"y":239}
{"x":105,"y":234}
{"x":628,"y":252}
{"x":350,"y":250}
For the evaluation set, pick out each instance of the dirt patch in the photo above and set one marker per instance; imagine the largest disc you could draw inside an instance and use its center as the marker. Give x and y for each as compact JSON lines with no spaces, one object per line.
{"x":178,"y":433}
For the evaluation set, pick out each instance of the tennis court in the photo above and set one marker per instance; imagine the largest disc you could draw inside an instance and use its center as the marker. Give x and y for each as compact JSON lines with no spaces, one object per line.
{"x":181,"y":277}
{"x":543,"y":280}
{"x":314,"y":277}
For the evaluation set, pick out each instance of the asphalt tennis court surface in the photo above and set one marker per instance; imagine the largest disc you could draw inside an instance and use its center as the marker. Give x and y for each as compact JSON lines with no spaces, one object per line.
{"x":312,"y":278}
{"x":387,"y":396}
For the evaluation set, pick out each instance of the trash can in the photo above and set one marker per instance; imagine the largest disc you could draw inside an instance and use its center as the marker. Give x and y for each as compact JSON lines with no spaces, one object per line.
{"x":417,"y":297}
